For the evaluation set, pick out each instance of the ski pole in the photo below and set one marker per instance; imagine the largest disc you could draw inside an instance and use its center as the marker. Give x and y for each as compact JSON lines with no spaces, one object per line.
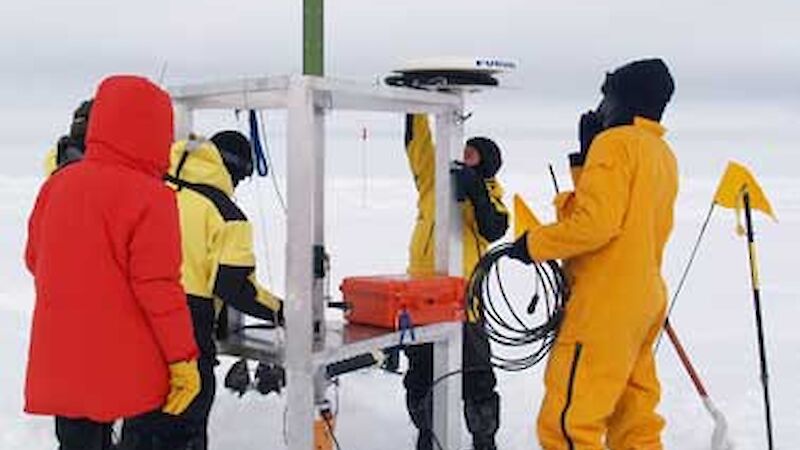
{"x":720,"y":439}
{"x":686,"y":270}
{"x":754,"y":279}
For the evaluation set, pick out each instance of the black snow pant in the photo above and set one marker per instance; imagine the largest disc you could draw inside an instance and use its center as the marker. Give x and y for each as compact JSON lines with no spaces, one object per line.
{"x":481,"y":401}
{"x":188,"y":431}
{"x":82,"y":434}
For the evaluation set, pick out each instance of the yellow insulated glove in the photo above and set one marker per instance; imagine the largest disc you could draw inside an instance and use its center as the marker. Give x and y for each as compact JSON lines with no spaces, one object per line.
{"x":184,"y":381}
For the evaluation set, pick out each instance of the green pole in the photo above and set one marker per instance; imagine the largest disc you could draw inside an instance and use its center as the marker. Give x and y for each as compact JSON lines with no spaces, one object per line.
{"x":313,"y":33}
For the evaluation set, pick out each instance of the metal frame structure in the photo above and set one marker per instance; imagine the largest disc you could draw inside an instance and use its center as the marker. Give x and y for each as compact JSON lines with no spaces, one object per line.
{"x":310,"y":342}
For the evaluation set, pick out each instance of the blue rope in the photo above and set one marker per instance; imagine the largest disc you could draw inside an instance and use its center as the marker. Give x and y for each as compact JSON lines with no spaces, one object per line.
{"x":255,"y":138}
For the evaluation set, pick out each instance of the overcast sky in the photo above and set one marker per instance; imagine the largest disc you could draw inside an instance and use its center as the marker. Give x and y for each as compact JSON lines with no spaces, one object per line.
{"x":54,"y":52}
{"x":734,"y":47}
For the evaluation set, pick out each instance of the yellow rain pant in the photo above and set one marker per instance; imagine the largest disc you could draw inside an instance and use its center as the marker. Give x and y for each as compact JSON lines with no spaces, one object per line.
{"x":597,"y":390}
{"x":601,"y":383}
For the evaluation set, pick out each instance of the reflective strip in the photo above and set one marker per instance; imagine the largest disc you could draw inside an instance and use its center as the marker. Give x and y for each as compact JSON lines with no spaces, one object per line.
{"x":570,"y":388}
{"x":754,"y":266}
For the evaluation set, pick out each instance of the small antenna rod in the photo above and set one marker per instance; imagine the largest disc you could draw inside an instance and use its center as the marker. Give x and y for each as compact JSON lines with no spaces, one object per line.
{"x":555,"y":180}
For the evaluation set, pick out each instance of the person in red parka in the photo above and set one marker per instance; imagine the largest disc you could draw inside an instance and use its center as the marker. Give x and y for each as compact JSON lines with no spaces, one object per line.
{"x":112,"y":335}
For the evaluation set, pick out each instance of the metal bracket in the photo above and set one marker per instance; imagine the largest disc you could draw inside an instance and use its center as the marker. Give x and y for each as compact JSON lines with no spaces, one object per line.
{"x":321,"y":262}
{"x":460,"y":119}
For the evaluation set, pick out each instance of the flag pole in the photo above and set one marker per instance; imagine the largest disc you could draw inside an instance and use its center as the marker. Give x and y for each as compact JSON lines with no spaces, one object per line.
{"x":754,"y":279}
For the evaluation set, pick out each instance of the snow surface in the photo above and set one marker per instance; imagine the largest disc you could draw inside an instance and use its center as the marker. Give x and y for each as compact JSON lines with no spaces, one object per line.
{"x":368,"y":224}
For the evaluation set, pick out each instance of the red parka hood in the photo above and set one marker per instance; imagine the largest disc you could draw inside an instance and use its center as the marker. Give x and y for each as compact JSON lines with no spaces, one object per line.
{"x":131,"y":124}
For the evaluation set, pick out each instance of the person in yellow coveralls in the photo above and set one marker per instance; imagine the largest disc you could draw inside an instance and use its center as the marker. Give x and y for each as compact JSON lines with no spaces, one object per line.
{"x":485,"y":219}
{"x":601,"y":386}
{"x":218,"y":265}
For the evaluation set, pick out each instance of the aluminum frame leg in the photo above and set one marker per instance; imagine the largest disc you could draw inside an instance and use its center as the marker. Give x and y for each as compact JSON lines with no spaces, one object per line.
{"x":447,"y":391}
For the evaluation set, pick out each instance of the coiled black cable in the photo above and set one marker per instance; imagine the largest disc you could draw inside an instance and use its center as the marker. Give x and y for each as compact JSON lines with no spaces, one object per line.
{"x":523,"y":339}
{"x":519,"y":334}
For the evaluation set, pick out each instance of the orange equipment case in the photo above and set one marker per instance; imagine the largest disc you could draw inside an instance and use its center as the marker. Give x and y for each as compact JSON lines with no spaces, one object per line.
{"x":380,"y":300}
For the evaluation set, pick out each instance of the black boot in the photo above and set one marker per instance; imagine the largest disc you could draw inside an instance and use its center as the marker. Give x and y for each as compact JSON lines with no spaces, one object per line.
{"x":483,"y":420}
{"x":422,"y":418}
{"x":425,"y":440}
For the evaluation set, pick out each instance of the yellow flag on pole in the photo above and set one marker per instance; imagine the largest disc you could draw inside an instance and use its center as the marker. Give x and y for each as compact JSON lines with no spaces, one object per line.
{"x":524,"y":218}
{"x":736,"y":179}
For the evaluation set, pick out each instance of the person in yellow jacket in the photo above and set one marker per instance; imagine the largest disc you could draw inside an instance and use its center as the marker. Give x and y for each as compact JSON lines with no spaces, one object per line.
{"x":601,"y":383}
{"x":485,"y":219}
{"x":70,"y":147}
{"x":218,"y":262}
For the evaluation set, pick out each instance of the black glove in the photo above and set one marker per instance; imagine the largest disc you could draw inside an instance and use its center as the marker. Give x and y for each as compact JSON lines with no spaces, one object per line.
{"x":276,"y":317}
{"x":455,"y":171}
{"x":589,"y":127}
{"x":270,"y":378}
{"x":280,"y":319}
{"x":468,"y":181}
{"x":238,"y":377}
{"x":520,"y":250}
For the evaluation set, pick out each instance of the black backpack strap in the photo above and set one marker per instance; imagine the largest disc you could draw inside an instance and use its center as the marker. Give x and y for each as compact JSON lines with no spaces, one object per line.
{"x":226,"y":207}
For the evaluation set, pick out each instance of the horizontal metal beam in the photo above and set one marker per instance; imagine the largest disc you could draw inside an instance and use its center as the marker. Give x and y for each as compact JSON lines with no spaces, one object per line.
{"x":335,"y":94}
{"x":246,"y":93}
{"x":348,"y":340}
{"x":330,"y":94}
{"x":343,"y":341}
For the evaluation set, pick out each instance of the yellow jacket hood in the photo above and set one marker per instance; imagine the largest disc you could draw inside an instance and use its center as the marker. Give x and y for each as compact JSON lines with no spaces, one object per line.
{"x":202,"y":164}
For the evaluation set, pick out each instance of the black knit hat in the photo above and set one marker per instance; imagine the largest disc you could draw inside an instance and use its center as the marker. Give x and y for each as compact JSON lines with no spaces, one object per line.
{"x":491,"y":160}
{"x":236,"y":154}
{"x":644,"y":86}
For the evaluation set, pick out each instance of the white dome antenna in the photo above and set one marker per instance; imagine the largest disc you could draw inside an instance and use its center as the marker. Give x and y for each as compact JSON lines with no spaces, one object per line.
{"x":451,"y":73}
